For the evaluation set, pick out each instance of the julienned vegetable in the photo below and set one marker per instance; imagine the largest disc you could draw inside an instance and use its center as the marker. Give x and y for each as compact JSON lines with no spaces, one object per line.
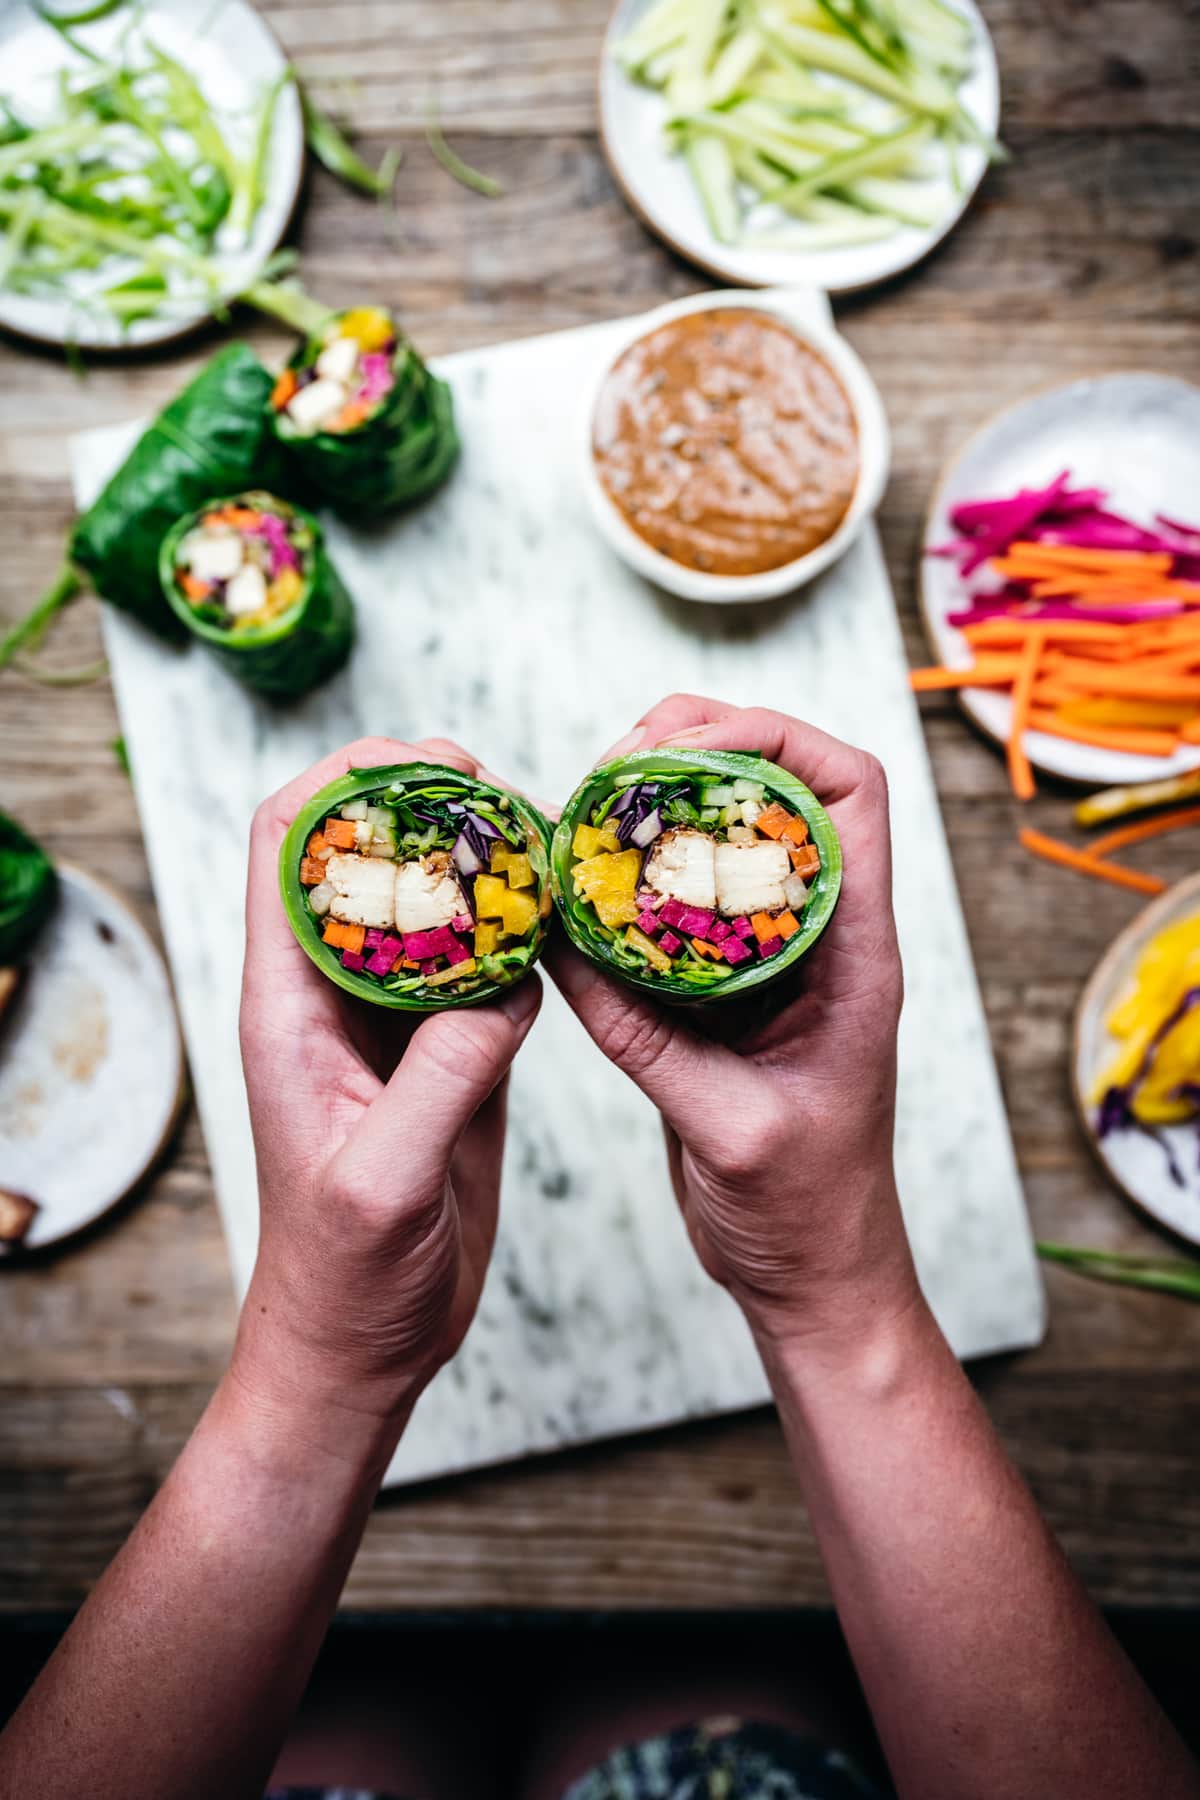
{"x":1154,"y":1079}
{"x":810,"y":124}
{"x":695,"y":875}
{"x":1092,"y":622}
{"x":363,"y":422}
{"x":251,"y":578}
{"x":417,"y":887}
{"x":28,"y":885}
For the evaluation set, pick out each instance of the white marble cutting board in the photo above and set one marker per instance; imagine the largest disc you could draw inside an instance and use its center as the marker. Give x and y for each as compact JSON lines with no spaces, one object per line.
{"x":495,"y":615}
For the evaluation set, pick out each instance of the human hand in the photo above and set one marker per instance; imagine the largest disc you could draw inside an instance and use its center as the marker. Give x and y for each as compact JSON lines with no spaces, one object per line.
{"x":780,"y":1117}
{"x":379,"y":1144}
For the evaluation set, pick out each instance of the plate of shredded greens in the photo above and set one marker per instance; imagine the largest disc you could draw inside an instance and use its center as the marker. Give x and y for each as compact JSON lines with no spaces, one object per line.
{"x":830,"y":143}
{"x":150,"y":159}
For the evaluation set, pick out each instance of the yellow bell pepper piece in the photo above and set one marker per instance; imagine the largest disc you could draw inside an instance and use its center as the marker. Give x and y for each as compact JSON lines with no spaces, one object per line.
{"x":489,"y":896}
{"x":519,"y":872}
{"x":658,"y":959}
{"x":519,"y":912}
{"x":1167,"y":968}
{"x":370,"y":328}
{"x":487,"y":939}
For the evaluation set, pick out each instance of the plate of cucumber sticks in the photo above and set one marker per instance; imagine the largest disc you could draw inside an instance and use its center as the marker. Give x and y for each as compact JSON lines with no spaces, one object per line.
{"x":826,"y":143}
{"x":1061,"y":578}
{"x":150,"y":160}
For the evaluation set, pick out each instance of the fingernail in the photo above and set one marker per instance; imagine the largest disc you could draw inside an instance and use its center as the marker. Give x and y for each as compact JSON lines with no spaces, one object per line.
{"x":686,"y":737}
{"x":624,"y":746}
{"x":521,"y":1002}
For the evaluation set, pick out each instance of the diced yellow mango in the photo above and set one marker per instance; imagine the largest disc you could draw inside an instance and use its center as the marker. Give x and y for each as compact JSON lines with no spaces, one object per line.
{"x":610,"y":883}
{"x":658,"y":959}
{"x":489,"y":896}
{"x":518,"y":912}
{"x":500,"y":856}
{"x":487,"y":939}
{"x":519,"y":872}
{"x":370,"y":328}
{"x":589,"y":839}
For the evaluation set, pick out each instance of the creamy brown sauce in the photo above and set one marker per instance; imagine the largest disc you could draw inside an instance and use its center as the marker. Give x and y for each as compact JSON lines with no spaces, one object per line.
{"x":726,"y":442}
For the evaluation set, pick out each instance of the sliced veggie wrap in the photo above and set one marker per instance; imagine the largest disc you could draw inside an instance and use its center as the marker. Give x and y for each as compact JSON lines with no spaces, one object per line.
{"x":251,"y":578}
{"x":417,"y":887}
{"x":695,"y":875}
{"x":363,"y":423}
{"x":211,"y":439}
{"x":28,"y":885}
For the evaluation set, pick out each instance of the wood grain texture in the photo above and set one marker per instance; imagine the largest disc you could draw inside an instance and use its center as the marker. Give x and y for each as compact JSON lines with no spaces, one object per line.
{"x":1080,"y":256}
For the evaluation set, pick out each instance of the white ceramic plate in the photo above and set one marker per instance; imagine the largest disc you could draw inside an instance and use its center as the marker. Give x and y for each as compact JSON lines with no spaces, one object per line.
{"x":233,"y":56}
{"x":91,"y":1063}
{"x":1138,"y":436}
{"x":1136,"y":1162}
{"x":660,"y":190}
{"x":796,"y":307}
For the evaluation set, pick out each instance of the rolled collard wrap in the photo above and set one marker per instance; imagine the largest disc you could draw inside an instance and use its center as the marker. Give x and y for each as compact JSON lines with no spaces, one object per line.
{"x":28,"y":885}
{"x":695,"y":875}
{"x":361,"y":419}
{"x":418,"y":887}
{"x":212,"y":438}
{"x":250,"y":577}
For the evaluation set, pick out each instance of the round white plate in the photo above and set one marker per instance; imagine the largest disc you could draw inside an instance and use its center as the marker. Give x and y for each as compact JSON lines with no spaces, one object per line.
{"x":91,"y":1063}
{"x":1138,"y":436}
{"x":1136,"y":1162}
{"x":233,"y":56}
{"x":660,"y":190}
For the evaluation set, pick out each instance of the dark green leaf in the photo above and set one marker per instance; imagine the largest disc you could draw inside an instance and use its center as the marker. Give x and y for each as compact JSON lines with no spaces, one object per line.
{"x":27,"y":888}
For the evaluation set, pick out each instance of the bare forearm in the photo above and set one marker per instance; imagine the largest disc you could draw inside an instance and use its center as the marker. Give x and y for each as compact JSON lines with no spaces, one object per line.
{"x":180,"y":1675}
{"x":987,"y":1670}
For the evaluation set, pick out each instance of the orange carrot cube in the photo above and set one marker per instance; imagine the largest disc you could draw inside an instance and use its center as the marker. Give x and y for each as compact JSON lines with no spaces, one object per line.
{"x":787,"y":925}
{"x":765,"y":927}
{"x":773,"y":821}
{"x":795,"y":832}
{"x":312,"y":872}
{"x":319,"y":845}
{"x":806,"y":861}
{"x":341,"y":833}
{"x":284,"y":388}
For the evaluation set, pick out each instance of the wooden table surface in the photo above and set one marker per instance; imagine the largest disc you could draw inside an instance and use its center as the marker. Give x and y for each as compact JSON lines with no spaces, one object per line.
{"x":1080,"y":256}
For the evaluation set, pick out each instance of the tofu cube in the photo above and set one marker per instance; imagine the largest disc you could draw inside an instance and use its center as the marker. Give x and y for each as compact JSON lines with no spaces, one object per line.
{"x":750,"y":877}
{"x":364,"y":890}
{"x":681,"y":865}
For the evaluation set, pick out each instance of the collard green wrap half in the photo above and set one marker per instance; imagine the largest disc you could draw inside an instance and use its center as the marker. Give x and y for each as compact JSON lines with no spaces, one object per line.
{"x":286,"y":652}
{"x":28,"y":885}
{"x":429,"y":824}
{"x":213,"y":438}
{"x":403,"y":448}
{"x":642,"y":817}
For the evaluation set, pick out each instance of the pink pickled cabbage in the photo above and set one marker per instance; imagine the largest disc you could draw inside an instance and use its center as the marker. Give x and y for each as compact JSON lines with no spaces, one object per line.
{"x":283,"y":551}
{"x":377,"y":377}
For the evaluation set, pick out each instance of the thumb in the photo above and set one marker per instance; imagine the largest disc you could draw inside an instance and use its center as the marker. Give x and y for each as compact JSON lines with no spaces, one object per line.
{"x":696,"y":1084}
{"x":453,"y":1062}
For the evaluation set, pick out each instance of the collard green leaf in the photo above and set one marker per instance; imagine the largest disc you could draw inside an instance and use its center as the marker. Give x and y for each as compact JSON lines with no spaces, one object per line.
{"x":27,"y":888}
{"x":297,"y":651}
{"x":212,"y":439}
{"x":607,"y":950}
{"x":403,"y":784}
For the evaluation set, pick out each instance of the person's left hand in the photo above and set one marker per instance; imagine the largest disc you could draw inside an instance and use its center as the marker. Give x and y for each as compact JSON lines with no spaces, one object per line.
{"x":379,"y":1143}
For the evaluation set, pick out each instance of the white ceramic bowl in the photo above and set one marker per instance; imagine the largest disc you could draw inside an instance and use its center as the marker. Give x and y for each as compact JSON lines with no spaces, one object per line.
{"x":790,"y":305}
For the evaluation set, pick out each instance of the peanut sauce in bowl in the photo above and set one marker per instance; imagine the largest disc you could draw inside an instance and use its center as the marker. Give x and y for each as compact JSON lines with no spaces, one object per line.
{"x":737,"y":452}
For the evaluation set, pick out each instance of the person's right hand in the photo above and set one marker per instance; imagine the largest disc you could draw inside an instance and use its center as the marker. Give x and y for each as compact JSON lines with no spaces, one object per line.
{"x":780,"y":1124}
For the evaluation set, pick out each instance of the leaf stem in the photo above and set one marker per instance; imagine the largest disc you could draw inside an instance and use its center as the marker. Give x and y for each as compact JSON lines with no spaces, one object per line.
{"x":67,"y":585}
